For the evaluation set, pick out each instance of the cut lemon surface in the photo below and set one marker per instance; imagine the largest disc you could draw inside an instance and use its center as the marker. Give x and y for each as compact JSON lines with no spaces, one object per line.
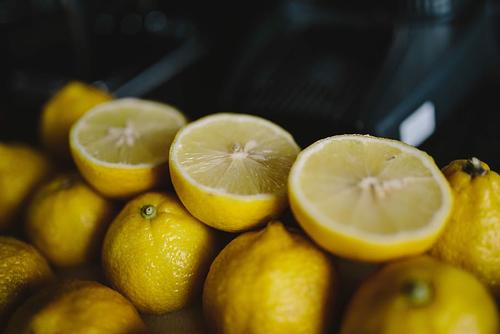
{"x":230,"y":170}
{"x":121,"y":147}
{"x":369,"y":198}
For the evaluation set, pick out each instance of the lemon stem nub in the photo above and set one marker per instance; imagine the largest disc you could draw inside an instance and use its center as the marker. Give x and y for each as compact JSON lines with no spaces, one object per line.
{"x":148,"y":211}
{"x":474,"y":168}
{"x":418,"y":293}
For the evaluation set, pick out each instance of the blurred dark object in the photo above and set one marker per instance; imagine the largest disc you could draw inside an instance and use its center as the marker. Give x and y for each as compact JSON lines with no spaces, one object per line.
{"x":151,"y":48}
{"x":394,"y":68}
{"x":404,"y":69}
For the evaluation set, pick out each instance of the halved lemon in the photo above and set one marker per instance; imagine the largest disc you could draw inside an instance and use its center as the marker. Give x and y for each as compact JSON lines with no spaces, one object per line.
{"x":121,"y":147}
{"x":369,"y":198}
{"x":230,"y":170}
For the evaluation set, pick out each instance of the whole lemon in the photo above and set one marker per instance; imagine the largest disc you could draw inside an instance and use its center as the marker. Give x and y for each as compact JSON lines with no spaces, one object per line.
{"x":76,"y":307}
{"x":67,"y":220}
{"x":270,"y":281}
{"x":63,"y":110}
{"x":157,"y":254}
{"x":471,"y":238}
{"x":22,"y":271}
{"x":421,"y":295}
{"x":22,"y":168}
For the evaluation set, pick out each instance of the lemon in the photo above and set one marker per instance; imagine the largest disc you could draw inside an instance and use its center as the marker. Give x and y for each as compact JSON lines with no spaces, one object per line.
{"x":22,"y":168}
{"x":22,"y":271}
{"x":186,"y":321}
{"x":270,"y":281}
{"x":421,"y":295}
{"x":67,"y":220}
{"x":77,"y":307}
{"x":230,"y":170}
{"x":63,"y":110}
{"x":369,"y":198}
{"x":471,"y":239}
{"x":157,"y":254}
{"x":121,"y":147}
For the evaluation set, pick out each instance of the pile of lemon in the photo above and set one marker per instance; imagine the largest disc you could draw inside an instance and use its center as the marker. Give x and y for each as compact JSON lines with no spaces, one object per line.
{"x":134,"y":220}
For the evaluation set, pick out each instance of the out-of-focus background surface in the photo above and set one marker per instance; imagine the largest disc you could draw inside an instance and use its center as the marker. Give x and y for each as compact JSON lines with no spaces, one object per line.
{"x":424,"y":71}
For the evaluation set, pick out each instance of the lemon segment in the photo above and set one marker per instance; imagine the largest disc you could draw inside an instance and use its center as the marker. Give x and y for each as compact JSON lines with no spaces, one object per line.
{"x":121,"y":147}
{"x":230,"y":170}
{"x":369,"y":198}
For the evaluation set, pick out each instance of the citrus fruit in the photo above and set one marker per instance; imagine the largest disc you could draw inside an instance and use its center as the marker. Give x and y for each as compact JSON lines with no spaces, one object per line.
{"x":471,"y":238}
{"x":22,"y":168}
{"x":186,"y":321}
{"x":421,"y":295}
{"x":22,"y":271}
{"x":270,"y":281}
{"x":230,"y":170}
{"x":76,"y":307}
{"x":66,"y":220}
{"x":63,"y":110}
{"x":157,"y":254}
{"x":121,"y":147}
{"x":369,"y":198}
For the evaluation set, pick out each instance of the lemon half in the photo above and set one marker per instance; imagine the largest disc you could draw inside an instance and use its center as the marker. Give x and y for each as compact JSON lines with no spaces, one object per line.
{"x":369,"y":198}
{"x":121,"y":147}
{"x":230,"y":170}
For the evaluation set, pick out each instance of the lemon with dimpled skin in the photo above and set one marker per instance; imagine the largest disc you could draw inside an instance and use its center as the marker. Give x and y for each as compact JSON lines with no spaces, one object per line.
{"x":22,"y":271}
{"x":421,"y":295}
{"x":270,"y":281}
{"x":471,"y":238}
{"x":157,"y":254}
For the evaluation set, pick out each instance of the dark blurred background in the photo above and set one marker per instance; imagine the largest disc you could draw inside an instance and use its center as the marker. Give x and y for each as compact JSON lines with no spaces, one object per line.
{"x":424,"y":71}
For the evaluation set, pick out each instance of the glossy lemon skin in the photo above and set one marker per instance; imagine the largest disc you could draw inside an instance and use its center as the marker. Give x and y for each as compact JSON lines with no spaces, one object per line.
{"x":160,"y":261}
